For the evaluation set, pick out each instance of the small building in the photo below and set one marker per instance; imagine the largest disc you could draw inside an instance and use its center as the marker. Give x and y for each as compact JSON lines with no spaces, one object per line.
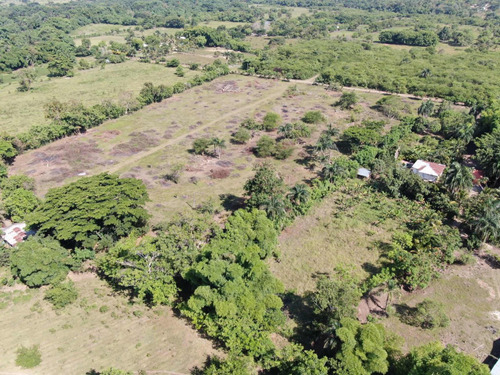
{"x":429,"y":171}
{"x":14,"y":233}
{"x":364,"y":173}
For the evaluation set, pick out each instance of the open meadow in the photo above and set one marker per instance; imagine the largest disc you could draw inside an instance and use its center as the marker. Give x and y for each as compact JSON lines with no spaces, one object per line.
{"x":22,"y":110}
{"x":101,"y":329}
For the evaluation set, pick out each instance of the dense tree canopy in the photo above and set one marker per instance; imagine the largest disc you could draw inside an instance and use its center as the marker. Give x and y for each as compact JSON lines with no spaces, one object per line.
{"x":82,"y":212}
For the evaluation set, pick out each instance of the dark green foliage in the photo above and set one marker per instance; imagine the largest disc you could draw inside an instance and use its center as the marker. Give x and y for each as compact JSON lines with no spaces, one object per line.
{"x":242,"y":135}
{"x":154,"y":94}
{"x":266,"y":146}
{"x":409,"y":37}
{"x":434,"y":358}
{"x":62,"y":294}
{"x":7,"y":150}
{"x":347,"y":100}
{"x":458,"y":178}
{"x":251,"y":124}
{"x":19,"y":203}
{"x":61,"y":66}
{"x":488,"y":155}
{"x":336,"y":297}
{"x":368,"y":133}
{"x":40,"y":261}
{"x":234,"y":297}
{"x":284,"y":149}
{"x":313,"y":117}
{"x":340,"y":169}
{"x":362,"y":349}
{"x":427,"y":314}
{"x":201,"y":146}
{"x":417,"y":256}
{"x":82,"y":212}
{"x":271,"y":121}
{"x":229,"y":366}
{"x":265,"y":184}
{"x":150,"y":266}
{"x":28,"y":357}
{"x":293,"y":359}
{"x":295,"y":130}
{"x":482,"y":217}
{"x":392,"y":106}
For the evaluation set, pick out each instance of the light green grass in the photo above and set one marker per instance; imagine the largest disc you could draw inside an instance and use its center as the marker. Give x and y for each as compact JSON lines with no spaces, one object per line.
{"x":21,"y":110}
{"x":470,"y":295}
{"x":80,"y":337}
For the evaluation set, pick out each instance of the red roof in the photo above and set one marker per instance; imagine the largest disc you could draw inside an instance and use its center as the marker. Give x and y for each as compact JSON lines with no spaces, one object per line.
{"x":438,"y":168}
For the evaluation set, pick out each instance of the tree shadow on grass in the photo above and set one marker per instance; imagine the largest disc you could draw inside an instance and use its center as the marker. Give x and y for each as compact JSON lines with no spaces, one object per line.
{"x":231,"y":202}
{"x":492,"y":358}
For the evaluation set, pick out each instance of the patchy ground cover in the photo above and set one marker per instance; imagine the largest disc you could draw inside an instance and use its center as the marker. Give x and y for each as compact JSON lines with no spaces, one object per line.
{"x":101,"y":329}
{"x":150,"y":142}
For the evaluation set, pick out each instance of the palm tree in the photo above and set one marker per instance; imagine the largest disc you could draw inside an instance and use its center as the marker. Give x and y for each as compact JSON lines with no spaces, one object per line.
{"x":286,"y":130}
{"x":458,"y":178}
{"x":275,"y":208}
{"x":331,"y":131}
{"x":487,"y":225}
{"x":218,"y":144}
{"x":426,"y":108}
{"x":464,"y":132}
{"x":299,"y":194}
{"x":331,"y":171}
{"x":426,"y":73}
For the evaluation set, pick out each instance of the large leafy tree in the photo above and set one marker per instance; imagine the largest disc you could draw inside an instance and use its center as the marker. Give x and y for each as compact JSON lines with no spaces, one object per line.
{"x":434,"y":358}
{"x":40,"y":261}
{"x":362,"y":349}
{"x":82,"y":212}
{"x":265,"y":184}
{"x":488,"y":155}
{"x":19,"y":203}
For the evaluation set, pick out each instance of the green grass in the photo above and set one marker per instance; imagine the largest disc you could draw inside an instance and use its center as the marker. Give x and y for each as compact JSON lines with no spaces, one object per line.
{"x":21,"y":110}
{"x":81,"y":338}
{"x":470,"y":295}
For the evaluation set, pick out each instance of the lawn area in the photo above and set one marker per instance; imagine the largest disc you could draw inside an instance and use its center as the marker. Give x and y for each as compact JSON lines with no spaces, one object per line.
{"x":150,"y":142}
{"x":21,"y":110}
{"x":101,"y":329}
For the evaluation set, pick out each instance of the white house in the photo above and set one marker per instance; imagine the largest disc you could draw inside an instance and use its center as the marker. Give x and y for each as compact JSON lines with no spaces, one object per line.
{"x":429,"y":171}
{"x":14,"y":233}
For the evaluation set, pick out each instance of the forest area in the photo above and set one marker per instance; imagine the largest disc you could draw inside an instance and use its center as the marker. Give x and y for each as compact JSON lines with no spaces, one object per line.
{"x":273,"y":187}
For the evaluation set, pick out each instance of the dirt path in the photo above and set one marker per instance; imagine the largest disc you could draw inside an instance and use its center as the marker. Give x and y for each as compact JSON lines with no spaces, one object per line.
{"x":136,"y":157}
{"x":312,"y":80}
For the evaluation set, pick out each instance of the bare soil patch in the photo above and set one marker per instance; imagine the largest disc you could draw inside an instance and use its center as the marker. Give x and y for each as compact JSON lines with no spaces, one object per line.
{"x":226,"y":87}
{"x":139,"y":141}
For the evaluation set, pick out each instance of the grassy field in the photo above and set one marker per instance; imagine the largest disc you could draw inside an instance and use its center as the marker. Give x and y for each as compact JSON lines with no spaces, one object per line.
{"x":21,"y":110}
{"x":101,"y":329}
{"x":149,"y":143}
{"x":470,"y":295}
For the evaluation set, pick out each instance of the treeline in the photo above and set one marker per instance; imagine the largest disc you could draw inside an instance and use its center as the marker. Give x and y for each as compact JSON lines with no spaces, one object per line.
{"x":69,"y":118}
{"x":417,"y":71}
{"x":37,"y":33}
{"x":409,"y":37}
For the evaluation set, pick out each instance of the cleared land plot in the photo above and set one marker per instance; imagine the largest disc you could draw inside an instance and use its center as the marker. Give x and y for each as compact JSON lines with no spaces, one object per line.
{"x":471,"y":299}
{"x":21,"y":110}
{"x":149,"y":143}
{"x":101,"y":329}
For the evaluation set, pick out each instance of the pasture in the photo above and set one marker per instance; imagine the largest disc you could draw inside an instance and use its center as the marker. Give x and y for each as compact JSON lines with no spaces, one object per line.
{"x":21,"y":110}
{"x":101,"y":329}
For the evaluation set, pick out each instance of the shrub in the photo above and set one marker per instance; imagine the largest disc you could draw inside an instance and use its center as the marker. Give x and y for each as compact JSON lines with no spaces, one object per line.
{"x":427,"y":314}
{"x":271,"y":121}
{"x":347,"y":100}
{"x":251,"y":124}
{"x":313,"y":117}
{"x":173,"y":63}
{"x":266,"y":146}
{"x":28,"y":357}
{"x":201,"y":145}
{"x":283,"y":149}
{"x":61,"y":295}
{"x":103,"y":309}
{"x":242,"y":135}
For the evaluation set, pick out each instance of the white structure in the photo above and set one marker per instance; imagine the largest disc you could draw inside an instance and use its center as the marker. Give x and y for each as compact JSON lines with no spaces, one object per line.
{"x":14,"y":233}
{"x":427,"y":170}
{"x":364,"y":173}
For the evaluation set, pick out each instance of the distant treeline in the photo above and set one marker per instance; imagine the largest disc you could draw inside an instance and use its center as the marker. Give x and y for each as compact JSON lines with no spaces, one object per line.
{"x":409,"y":38}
